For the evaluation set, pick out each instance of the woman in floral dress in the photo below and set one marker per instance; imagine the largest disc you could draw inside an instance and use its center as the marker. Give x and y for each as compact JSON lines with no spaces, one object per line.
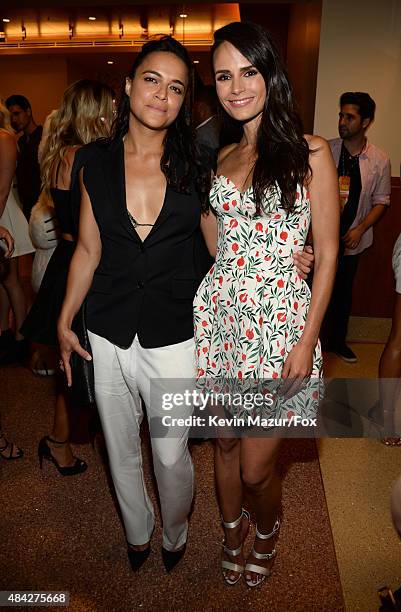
{"x":256,"y":322}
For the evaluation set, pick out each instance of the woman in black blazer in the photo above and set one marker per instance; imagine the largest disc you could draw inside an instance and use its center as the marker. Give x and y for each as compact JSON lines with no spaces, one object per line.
{"x":139,"y":259}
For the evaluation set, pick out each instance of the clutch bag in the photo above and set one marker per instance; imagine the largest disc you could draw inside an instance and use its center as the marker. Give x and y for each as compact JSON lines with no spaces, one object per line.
{"x":82,"y":390}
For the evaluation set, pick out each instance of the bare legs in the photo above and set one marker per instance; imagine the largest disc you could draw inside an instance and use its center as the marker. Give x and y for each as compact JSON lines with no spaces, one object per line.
{"x":12,"y":286}
{"x":61,"y":432}
{"x":4,"y":309}
{"x":246,"y":466}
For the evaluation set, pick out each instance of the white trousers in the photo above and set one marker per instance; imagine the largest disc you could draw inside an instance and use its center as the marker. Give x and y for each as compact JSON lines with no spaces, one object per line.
{"x":122,"y":377}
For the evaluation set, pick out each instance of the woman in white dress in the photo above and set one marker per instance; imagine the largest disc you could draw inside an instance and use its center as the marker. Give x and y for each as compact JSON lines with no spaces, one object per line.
{"x":12,"y":218}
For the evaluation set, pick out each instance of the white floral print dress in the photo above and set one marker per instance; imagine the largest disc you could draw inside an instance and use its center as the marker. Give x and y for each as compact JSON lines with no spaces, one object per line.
{"x":251,"y":307}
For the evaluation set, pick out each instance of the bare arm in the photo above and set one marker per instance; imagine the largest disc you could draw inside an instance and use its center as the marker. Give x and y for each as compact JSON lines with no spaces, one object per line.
{"x":325,"y":209}
{"x":83,"y":265}
{"x":8,"y":160}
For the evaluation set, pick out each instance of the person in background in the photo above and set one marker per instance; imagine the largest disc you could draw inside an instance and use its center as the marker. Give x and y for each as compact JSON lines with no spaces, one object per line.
{"x":205,"y":118}
{"x":28,"y":171}
{"x":364,"y":177}
{"x":8,"y":450}
{"x":85,"y":114}
{"x":13,"y":346}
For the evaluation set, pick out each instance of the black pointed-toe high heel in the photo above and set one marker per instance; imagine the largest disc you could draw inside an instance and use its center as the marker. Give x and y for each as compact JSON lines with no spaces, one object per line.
{"x":172,"y":557}
{"x":137,"y":557}
{"x":44,"y":452}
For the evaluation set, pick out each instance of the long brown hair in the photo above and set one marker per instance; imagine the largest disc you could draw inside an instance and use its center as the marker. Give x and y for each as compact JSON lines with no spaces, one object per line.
{"x":85,"y":114}
{"x":282,"y":151}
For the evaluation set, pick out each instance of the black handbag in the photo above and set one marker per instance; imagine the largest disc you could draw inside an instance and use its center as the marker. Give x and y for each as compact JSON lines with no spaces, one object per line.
{"x":82,"y":390}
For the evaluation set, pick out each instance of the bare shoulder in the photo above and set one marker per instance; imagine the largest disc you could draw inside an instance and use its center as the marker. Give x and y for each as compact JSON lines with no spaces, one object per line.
{"x":316,"y":143}
{"x":7,"y":139}
{"x":320,"y":155}
{"x":225,"y":152}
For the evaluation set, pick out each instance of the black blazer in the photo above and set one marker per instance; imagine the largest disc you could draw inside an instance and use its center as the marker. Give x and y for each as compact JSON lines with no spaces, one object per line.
{"x":143,"y":288}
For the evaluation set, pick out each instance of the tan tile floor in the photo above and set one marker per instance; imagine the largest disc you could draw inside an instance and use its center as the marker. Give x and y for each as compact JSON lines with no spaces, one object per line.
{"x":358,"y":475}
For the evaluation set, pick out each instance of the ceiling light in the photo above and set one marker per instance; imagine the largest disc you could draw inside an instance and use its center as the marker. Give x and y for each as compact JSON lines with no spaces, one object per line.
{"x":110,"y":62}
{"x":196,"y":61}
{"x":2,"y":34}
{"x":6,"y":20}
{"x":183,"y":15}
{"x":92,"y":18}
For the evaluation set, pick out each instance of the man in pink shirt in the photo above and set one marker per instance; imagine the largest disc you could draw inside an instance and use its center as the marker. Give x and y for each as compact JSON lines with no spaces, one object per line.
{"x":364,"y":177}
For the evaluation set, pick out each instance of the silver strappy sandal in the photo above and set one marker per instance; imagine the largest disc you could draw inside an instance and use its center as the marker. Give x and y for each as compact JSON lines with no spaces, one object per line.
{"x":262,"y":572}
{"x":227,"y":565}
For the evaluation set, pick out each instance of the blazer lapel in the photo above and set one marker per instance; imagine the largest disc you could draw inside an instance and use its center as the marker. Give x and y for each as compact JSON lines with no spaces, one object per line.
{"x":115,"y":170}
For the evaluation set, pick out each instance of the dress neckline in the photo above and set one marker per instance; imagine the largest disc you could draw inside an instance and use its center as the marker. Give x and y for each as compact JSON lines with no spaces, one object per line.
{"x":223,"y":176}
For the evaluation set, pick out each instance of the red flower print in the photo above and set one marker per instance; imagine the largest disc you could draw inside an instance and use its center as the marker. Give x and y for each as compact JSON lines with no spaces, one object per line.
{"x":315,"y":395}
{"x":261,"y":360}
{"x":290,"y":414}
{"x":234,"y":202}
{"x":284,"y":235}
{"x":205,"y":349}
{"x":233,"y":223}
{"x":282,"y":352}
{"x":295,"y":242}
{"x":243,"y":357}
{"x":281,"y":316}
{"x":259,"y":227}
{"x":213,"y":365}
{"x":308,"y":194}
{"x":231,"y":318}
{"x":301,"y":327}
{"x":277,"y":217}
{"x":280,"y":283}
{"x":298,"y":195}
{"x":260,"y":321}
{"x":226,"y":346}
{"x":235,"y":247}
{"x":243,"y":297}
{"x":258,"y":278}
{"x":275,"y":375}
{"x":295,"y":305}
{"x":226,"y":206}
{"x":204,"y":323}
{"x":240,"y":261}
{"x":214,"y":298}
{"x":249,"y":334}
{"x":240,"y":375}
{"x":201,"y":308}
{"x":201,"y":372}
{"x":220,"y":280}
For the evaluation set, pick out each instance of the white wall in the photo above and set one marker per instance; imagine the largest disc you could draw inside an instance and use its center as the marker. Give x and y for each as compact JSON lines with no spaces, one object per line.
{"x":360,"y":50}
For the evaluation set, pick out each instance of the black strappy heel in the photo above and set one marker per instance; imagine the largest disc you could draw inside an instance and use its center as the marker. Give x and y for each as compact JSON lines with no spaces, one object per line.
{"x":44,"y":452}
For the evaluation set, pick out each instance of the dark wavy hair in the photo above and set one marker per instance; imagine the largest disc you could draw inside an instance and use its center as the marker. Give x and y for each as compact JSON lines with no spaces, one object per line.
{"x":282,"y":151}
{"x":365,"y":103}
{"x":181,"y":162}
